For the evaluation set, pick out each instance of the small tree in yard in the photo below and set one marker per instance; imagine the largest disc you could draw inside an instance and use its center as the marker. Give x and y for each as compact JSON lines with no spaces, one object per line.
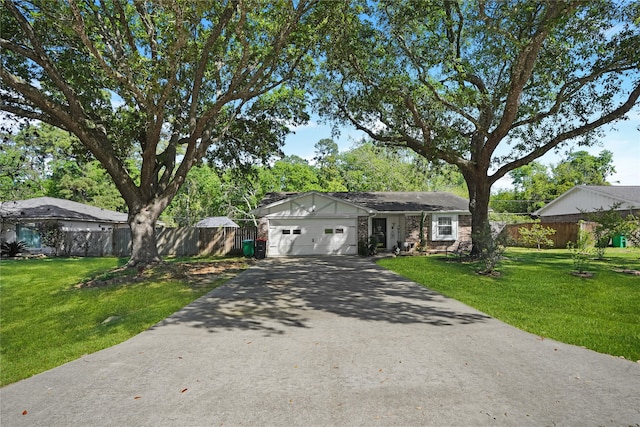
{"x":610,"y":224}
{"x":581,"y":252}
{"x":536,"y":235}
{"x":52,"y":235}
{"x":492,"y":252}
{"x":631,"y":229}
{"x":423,"y":241}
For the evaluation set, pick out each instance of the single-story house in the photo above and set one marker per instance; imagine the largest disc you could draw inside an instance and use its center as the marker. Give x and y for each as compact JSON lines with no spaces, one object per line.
{"x":20,"y":218}
{"x":572,"y":205}
{"x":315,"y":223}
{"x":216,"y":222}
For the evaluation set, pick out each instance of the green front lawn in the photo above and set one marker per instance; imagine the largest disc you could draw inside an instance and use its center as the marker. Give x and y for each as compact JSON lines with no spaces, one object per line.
{"x":47,"y":320}
{"x":536,"y":293}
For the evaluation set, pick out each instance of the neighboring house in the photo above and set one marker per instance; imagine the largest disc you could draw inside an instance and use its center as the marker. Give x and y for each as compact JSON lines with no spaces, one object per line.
{"x":20,"y":218}
{"x":216,"y":222}
{"x":316,"y":223}
{"x":572,"y":205}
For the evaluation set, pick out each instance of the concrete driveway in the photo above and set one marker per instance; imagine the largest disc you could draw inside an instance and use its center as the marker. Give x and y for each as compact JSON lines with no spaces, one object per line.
{"x":330,"y":341}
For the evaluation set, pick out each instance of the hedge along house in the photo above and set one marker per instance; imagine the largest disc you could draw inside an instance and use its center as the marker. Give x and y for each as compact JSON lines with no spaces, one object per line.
{"x":316,"y":223}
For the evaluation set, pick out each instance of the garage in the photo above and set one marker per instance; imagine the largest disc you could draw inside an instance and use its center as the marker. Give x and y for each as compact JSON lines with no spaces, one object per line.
{"x":305,"y":236}
{"x":313,"y":223}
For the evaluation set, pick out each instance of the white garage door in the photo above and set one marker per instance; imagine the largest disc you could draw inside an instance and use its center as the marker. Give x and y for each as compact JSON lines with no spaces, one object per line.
{"x":312,"y":237}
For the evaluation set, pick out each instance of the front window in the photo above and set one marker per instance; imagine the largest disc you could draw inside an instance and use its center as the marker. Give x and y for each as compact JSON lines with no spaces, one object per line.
{"x":444,"y":227}
{"x":28,"y":235}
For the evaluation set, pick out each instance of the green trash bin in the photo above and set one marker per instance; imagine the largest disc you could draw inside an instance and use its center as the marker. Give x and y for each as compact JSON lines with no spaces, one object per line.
{"x":619,"y":242}
{"x":248,"y":248}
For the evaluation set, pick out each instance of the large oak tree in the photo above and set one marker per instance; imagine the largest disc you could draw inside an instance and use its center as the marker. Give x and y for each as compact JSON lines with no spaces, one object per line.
{"x":487,"y":86}
{"x":165,"y":82}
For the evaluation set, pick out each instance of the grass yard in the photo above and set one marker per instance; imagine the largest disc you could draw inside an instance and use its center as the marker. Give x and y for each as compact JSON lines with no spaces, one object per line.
{"x":50,"y":313}
{"x":536,"y":292}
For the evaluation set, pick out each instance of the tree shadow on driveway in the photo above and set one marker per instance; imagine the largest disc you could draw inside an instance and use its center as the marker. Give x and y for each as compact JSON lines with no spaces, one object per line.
{"x":276,"y":294}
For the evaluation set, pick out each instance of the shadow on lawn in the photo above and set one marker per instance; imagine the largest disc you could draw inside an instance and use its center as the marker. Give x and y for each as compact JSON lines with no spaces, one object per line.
{"x":560,"y":262}
{"x":279,"y":293}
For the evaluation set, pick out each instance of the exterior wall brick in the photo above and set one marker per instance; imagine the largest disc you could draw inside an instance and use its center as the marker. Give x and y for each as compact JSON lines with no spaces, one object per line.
{"x":464,"y":234}
{"x":363,"y":228}
{"x":464,"y":228}
{"x":412,"y":227}
{"x":263,"y":229}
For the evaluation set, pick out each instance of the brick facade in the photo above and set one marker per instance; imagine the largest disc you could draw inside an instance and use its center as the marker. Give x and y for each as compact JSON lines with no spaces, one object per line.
{"x":363,"y":229}
{"x":464,"y":228}
{"x":263,"y":229}
{"x":412,"y":229}
{"x":412,"y":232}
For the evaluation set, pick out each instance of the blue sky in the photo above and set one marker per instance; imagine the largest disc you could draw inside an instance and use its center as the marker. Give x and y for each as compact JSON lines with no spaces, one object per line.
{"x":623,"y":140}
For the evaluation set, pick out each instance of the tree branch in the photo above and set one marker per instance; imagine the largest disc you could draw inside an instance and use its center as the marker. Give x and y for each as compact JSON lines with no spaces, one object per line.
{"x":568,"y":90}
{"x":574,"y":133}
{"x":122,"y":18}
{"x":42,"y":59}
{"x":521,"y":72}
{"x":79,"y":28}
{"x":149,"y":25}
{"x":222,"y":23}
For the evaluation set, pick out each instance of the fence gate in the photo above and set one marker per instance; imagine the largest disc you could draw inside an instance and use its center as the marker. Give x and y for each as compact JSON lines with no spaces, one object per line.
{"x":121,"y":242}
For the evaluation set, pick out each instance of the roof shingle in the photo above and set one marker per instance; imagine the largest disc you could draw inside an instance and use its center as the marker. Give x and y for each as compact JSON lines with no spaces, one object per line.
{"x":432,"y":201}
{"x":42,"y":208}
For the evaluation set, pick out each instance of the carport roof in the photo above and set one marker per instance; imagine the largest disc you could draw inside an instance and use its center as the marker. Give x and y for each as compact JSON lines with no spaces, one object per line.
{"x":432,"y":201}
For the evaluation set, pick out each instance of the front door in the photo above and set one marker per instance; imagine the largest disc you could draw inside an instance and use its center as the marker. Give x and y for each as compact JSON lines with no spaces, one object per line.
{"x":380,"y":231}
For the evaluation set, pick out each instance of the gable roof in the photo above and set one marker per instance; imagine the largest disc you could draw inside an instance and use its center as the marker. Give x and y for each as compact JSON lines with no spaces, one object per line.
{"x":624,"y":193}
{"x":627,"y":195}
{"x":50,"y":208}
{"x":216,"y":221}
{"x":432,"y":201}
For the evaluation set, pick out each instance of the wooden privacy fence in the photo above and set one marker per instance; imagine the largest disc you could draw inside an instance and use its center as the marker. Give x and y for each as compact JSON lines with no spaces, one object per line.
{"x":85,"y":243}
{"x":565,"y":232}
{"x":189,"y":241}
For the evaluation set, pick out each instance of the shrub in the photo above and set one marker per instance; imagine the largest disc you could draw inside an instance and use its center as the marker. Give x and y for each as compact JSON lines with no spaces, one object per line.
{"x":610,"y":224}
{"x":367,"y":248}
{"x":363,"y":248}
{"x":581,"y":252}
{"x":12,"y":249}
{"x":489,"y":248}
{"x":631,"y":229}
{"x":52,"y":235}
{"x":423,"y":241}
{"x":536,"y":235}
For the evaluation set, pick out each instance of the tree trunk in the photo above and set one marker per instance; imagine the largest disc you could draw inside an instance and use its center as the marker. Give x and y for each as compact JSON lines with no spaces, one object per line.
{"x":479,"y":194}
{"x":144,"y":248}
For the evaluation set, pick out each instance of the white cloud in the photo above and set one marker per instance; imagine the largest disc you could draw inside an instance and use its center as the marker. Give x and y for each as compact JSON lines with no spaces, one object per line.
{"x":309,"y":125}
